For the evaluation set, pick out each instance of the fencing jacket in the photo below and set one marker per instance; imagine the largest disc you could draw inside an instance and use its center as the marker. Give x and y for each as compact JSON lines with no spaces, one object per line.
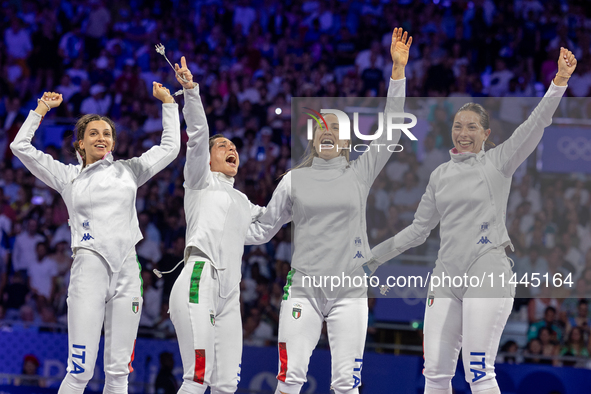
{"x":468,"y":196}
{"x":218,"y":215}
{"x":327,"y":203}
{"x":101,"y":196}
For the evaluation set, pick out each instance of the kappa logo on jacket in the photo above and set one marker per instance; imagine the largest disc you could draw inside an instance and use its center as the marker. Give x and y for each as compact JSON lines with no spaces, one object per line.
{"x":484,"y":240}
{"x":358,"y":255}
{"x":86,"y":237}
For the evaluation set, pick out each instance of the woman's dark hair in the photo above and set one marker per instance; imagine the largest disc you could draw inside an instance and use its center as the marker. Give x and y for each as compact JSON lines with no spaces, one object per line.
{"x":80,"y":129}
{"x":483,"y":115}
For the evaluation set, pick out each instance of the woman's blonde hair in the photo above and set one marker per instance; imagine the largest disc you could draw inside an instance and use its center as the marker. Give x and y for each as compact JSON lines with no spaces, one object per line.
{"x":80,"y":129}
{"x":310,"y":152}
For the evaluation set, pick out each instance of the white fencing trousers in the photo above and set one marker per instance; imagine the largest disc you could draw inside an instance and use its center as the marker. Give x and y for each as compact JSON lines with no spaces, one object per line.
{"x":96,"y":296}
{"x":300,"y":326}
{"x":208,"y":328}
{"x":471,"y":319}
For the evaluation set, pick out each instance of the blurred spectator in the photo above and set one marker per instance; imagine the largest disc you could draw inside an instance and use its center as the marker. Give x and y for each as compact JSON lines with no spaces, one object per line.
{"x":10,"y":123}
{"x":407,"y":198}
{"x":71,"y":45}
{"x":77,"y":72}
{"x":575,"y":346}
{"x":534,"y":262}
{"x":580,"y":83}
{"x":370,"y":58}
{"x":168,"y":262}
{"x":550,"y":345}
{"x":549,"y":323}
{"x":164,"y":327}
{"x":30,"y":367}
{"x":98,"y":102}
{"x":152,"y":296}
{"x":533,"y":352}
{"x":526,"y":193}
{"x":28,"y":321}
{"x":432,"y":159}
{"x":9,"y":186}
{"x":67,"y":88}
{"x":18,"y":41}
{"x":166,"y":382}
{"x":499,"y":80}
{"x":573,"y":257}
{"x":256,"y":331}
{"x":244,"y":16}
{"x":510,"y":349}
{"x":15,"y":295}
{"x":23,"y":254}
{"x":42,"y":273}
{"x":97,"y":25}
{"x":581,"y":319}
{"x":264,"y":148}
{"x":284,"y":246}
{"x":48,"y":320}
{"x":396,"y":169}
{"x":147,"y":248}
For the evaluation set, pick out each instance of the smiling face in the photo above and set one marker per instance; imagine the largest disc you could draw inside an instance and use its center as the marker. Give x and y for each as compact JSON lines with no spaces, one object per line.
{"x":467,"y":132}
{"x":326,"y":142}
{"x":97,"y":141}
{"x":224,"y":157}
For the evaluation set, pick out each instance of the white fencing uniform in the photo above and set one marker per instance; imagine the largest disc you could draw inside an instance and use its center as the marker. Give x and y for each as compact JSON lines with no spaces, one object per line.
{"x":105,"y":283}
{"x":327,"y":204}
{"x":468,"y":197}
{"x":205,"y":298}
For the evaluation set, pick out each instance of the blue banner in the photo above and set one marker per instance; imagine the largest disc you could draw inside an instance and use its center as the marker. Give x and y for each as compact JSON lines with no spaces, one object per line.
{"x":381,"y":373}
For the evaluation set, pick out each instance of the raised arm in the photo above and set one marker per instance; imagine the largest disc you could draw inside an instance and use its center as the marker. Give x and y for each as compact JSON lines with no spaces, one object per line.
{"x":510,"y":154}
{"x":372,"y":161}
{"x":426,"y":218}
{"x":277,"y":213}
{"x":197,"y":164}
{"x":53,"y":173}
{"x":159,"y":156}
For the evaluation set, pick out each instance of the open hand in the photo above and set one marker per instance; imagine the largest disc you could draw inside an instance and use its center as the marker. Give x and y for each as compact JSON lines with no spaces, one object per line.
{"x":400,"y":47}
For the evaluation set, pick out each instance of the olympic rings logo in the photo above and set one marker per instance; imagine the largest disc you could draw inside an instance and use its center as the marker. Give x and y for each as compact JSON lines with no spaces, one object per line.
{"x":575,"y":148}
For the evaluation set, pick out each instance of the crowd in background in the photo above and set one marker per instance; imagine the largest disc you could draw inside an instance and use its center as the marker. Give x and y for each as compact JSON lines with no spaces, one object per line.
{"x":250,"y":58}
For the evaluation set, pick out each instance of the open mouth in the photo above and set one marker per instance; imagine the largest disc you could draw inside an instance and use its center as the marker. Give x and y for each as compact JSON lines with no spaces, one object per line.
{"x":464,"y":144}
{"x":101,"y":146}
{"x":326,"y":142}
{"x":231,"y":160}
